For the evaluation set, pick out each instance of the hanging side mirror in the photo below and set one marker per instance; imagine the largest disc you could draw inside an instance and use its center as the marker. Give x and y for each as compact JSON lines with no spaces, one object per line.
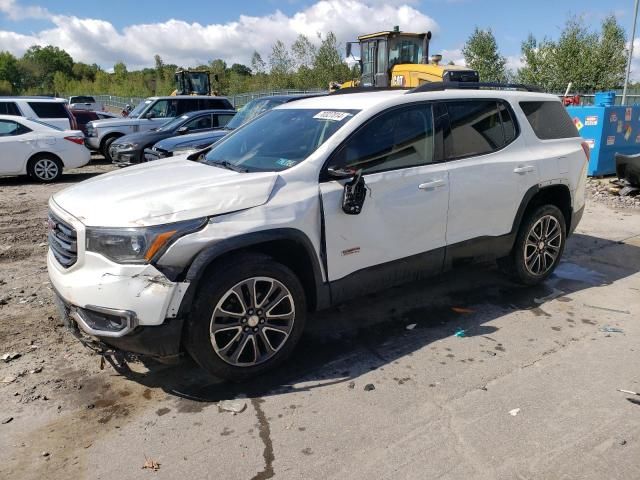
{"x":354,"y":195}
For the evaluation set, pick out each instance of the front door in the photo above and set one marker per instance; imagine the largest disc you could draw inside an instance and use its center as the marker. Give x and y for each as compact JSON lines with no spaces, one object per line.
{"x":401,"y":228}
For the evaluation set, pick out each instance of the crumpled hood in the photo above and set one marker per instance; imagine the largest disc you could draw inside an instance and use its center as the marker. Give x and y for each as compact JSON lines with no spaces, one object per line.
{"x":164,"y":191}
{"x":191,"y":139}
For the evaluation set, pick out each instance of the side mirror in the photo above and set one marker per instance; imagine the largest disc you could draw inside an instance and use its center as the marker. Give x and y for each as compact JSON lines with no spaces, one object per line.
{"x":148,"y":115}
{"x":182,"y":130}
{"x":354,"y":195}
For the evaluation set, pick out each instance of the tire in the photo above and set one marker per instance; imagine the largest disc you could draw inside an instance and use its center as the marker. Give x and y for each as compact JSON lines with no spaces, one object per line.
{"x":45,"y":168}
{"x":533,"y":260}
{"x":105,"y":148}
{"x":245,"y":345}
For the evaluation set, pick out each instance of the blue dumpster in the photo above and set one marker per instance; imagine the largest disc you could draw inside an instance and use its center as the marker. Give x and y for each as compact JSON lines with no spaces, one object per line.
{"x":607,"y":130}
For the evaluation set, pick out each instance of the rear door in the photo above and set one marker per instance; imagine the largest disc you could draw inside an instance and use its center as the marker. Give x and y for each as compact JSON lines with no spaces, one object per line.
{"x":14,"y":147}
{"x":488,"y":169}
{"x":405,"y":210}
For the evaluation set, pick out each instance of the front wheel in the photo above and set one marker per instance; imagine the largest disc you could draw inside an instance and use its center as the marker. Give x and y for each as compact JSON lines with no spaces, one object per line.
{"x":539,"y":246}
{"x":247,"y":318}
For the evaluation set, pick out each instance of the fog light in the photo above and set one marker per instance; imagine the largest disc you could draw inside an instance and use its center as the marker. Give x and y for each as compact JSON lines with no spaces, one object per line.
{"x":104,"y":321}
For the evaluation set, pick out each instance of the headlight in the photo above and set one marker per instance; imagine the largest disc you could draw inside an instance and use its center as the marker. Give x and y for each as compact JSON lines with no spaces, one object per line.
{"x":138,"y":245}
{"x":91,"y":131}
{"x":125,"y":146}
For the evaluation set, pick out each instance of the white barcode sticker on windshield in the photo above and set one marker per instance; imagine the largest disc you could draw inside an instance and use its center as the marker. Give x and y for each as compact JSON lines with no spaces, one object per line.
{"x":333,"y":116}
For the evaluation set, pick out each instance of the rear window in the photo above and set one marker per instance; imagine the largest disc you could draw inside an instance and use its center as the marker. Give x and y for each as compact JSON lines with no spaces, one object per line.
{"x":478,"y":127}
{"x":49,"y":109}
{"x":549,"y":120}
{"x":82,"y":99}
{"x":9,"y":108}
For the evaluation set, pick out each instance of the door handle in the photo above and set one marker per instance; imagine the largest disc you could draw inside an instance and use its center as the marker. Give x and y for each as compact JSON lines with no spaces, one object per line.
{"x":431,"y":184}
{"x":523,"y":169}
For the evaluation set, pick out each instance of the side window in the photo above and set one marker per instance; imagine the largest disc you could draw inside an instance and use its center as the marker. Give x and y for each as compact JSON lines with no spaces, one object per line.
{"x":399,"y":138}
{"x":476,"y":128}
{"x":199,"y":123}
{"x":164,"y":109}
{"x":9,"y":128}
{"x":9,"y":108}
{"x":549,"y":120}
{"x":221,"y":120}
{"x":215,"y":104}
{"x":508,"y":123}
{"x":49,"y":109}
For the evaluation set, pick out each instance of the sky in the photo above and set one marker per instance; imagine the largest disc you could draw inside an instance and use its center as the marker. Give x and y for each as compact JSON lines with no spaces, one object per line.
{"x":196,"y":31}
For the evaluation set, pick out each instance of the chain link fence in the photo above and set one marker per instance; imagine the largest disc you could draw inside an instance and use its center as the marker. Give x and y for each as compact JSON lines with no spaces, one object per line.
{"x":116,"y":103}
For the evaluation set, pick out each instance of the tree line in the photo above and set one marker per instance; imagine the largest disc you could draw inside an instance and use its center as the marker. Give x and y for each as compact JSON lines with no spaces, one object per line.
{"x":591,"y":60}
{"x":52,"y":71}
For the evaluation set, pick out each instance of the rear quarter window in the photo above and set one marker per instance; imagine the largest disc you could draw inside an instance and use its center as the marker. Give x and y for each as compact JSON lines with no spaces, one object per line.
{"x":49,"y":109}
{"x":215,"y":104}
{"x":549,"y":120}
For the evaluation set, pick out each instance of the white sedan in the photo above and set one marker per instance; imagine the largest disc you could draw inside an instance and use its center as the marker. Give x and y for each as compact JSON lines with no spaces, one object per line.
{"x":39,"y":150}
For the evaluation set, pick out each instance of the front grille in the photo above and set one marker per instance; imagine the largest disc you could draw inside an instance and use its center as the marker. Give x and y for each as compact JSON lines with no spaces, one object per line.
{"x":63,"y":241}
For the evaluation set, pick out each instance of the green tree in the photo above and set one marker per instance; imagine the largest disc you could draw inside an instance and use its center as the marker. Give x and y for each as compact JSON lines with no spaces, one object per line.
{"x":41,"y":63}
{"x":9,"y":73}
{"x":281,"y":64}
{"x":328,"y":64}
{"x":610,"y":58}
{"x":481,"y":53}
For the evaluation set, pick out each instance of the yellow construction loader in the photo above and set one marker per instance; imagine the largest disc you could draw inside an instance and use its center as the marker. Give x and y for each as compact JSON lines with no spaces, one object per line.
{"x":193,"y":82}
{"x":401,"y":59}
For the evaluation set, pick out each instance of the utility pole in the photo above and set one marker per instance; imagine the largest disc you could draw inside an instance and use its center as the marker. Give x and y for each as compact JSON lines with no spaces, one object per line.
{"x":633,"y":36}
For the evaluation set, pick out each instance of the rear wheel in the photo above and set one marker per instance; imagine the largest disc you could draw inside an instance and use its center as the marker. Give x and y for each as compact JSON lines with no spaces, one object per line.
{"x":45,"y":168}
{"x":539,"y":246}
{"x":247,"y":318}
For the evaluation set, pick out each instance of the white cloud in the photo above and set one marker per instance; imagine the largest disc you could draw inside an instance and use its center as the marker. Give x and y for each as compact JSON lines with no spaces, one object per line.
{"x":454,"y":56}
{"x":17,"y":12}
{"x":183,"y":43}
{"x":514,"y":62}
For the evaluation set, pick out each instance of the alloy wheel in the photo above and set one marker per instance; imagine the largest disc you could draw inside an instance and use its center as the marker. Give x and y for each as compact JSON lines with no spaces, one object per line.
{"x":46,"y":169}
{"x":542,"y":245}
{"x":252,"y":321}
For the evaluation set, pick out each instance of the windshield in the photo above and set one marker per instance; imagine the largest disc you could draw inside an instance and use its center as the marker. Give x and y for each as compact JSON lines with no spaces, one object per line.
{"x":252,"y":109}
{"x":277,"y":140}
{"x":136,"y":111}
{"x":172,"y":124}
{"x":405,"y":50}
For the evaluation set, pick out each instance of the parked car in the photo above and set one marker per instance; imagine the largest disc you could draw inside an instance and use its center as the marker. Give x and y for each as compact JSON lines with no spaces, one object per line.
{"x":148,"y":114}
{"x":83,"y":117}
{"x":130,"y":149}
{"x":315,"y":202}
{"x":39,"y":150}
{"x":50,"y":110}
{"x":197,"y":141}
{"x":84,"y":102}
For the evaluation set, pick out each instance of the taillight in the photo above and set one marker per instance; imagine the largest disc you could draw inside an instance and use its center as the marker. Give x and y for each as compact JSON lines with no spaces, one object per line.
{"x":75,"y":139}
{"x":587,"y":150}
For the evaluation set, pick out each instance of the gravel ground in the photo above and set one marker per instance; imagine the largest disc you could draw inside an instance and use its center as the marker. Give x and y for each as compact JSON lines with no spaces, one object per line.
{"x":380,"y":387}
{"x":602,"y":190}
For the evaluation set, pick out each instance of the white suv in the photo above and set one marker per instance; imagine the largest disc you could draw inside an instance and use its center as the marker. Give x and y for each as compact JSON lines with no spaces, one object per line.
{"x":310,"y":204}
{"x":50,"y":110}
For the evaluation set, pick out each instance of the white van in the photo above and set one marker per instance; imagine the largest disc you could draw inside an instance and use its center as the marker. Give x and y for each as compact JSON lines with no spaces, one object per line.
{"x":49,"y":110}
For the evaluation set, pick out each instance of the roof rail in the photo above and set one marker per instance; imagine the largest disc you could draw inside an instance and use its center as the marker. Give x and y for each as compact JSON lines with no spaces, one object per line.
{"x":346,"y":90}
{"x":439,"y":86}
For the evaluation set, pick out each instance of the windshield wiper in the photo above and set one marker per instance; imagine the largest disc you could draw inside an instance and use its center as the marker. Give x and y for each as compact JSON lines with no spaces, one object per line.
{"x":229,"y":166}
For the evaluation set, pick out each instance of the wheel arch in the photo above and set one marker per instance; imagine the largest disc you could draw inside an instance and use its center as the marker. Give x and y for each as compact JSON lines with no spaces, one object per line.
{"x":107,"y":136}
{"x":556,"y":194}
{"x":42,"y":154}
{"x":288,"y":246}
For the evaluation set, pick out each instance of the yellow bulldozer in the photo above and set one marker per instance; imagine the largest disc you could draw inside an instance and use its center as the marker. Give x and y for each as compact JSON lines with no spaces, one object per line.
{"x":193,"y":82}
{"x":401,"y":59}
